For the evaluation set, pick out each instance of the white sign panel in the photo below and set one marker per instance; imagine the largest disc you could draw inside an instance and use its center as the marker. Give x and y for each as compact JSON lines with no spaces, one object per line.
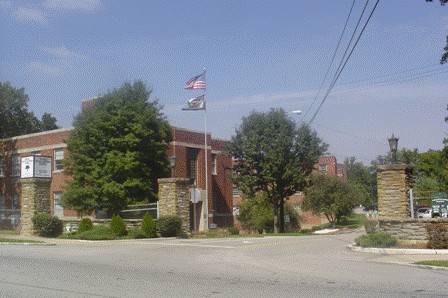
{"x":35,"y":166}
{"x":42,"y":166}
{"x":27,"y":167}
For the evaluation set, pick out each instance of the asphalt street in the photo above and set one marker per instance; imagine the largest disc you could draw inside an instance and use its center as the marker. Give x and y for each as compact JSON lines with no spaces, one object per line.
{"x":312,"y":266}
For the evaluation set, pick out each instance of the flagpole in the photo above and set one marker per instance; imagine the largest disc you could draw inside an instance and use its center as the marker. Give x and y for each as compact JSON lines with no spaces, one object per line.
{"x":206,"y":169}
{"x":206,"y":161}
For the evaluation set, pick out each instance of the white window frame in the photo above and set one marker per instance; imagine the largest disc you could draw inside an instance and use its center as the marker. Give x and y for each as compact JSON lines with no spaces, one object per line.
{"x":323,"y":169}
{"x":2,"y":167}
{"x":58,"y":210}
{"x":214,"y":167}
{"x":58,"y":159}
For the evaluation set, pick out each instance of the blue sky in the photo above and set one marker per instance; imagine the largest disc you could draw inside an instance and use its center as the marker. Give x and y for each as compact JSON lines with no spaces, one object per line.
{"x":258,"y":55}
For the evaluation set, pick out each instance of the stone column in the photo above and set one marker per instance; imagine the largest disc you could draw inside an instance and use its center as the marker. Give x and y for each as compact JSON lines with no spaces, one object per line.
{"x":394,"y":182}
{"x":174,"y":199}
{"x":35,"y":197}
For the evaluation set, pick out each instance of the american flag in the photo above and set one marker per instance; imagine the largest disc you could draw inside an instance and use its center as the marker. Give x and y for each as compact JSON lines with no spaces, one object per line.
{"x":197,"y":82}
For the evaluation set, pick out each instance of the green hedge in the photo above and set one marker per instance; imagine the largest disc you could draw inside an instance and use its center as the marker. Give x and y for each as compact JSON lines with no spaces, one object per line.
{"x":376,"y":239}
{"x":169,"y":225}
{"x":47,"y":225}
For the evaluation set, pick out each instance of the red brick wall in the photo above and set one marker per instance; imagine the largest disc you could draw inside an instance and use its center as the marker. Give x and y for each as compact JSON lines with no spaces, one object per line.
{"x":219,"y":186}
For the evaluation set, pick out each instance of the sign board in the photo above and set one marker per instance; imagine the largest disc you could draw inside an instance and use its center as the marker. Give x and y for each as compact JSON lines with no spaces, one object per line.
{"x":35,"y":167}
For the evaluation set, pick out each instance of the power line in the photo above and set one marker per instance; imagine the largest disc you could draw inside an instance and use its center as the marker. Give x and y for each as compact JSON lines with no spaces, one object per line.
{"x":332,"y":60}
{"x":345,"y":63}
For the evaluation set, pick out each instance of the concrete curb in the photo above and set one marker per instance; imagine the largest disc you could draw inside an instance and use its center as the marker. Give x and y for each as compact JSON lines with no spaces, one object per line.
{"x":398,"y":251}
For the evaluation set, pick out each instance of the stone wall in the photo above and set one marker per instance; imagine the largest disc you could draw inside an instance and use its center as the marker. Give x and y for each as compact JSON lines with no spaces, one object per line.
{"x":174,"y":199}
{"x":35,"y":198}
{"x":411,"y":231}
{"x":394,"y":183}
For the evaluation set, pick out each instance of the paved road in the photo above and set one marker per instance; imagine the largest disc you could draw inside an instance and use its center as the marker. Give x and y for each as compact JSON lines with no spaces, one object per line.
{"x":315,"y":266}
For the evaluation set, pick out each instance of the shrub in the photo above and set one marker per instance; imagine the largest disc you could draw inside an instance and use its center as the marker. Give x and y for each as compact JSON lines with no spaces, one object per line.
{"x":84,"y":225}
{"x":47,"y":225}
{"x":377,"y":239}
{"x":136,"y":233}
{"x":233,"y":230}
{"x":149,"y":226}
{"x":169,"y":225}
{"x":118,"y":226}
{"x":437,"y":236}
{"x":98,"y":233}
{"x":371,"y":226}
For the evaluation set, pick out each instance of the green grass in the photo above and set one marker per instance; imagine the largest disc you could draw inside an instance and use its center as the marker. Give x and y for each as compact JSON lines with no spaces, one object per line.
{"x":433,"y":263}
{"x":9,"y":232}
{"x":7,"y":240}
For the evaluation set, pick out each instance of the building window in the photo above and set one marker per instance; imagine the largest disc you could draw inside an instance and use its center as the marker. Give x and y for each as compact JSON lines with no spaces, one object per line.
{"x":214,"y":169}
{"x":58,"y":210}
{"x":2,"y":167}
{"x":15,"y":165}
{"x":15,"y":218}
{"x":235,"y":190}
{"x":2,"y":207}
{"x":323,"y":169}
{"x":192,"y":166}
{"x":58,"y":159}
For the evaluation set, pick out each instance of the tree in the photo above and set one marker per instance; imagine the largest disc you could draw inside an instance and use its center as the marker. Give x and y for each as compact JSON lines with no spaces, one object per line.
{"x":444,"y":58}
{"x":15,"y":119}
{"x":274,"y":156}
{"x":363,"y":176}
{"x":48,"y":122}
{"x":256,"y":213}
{"x":332,"y":197}
{"x":117,"y":151}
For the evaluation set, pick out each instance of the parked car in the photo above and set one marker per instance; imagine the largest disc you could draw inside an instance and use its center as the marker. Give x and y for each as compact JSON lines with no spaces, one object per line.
{"x":424,"y":212}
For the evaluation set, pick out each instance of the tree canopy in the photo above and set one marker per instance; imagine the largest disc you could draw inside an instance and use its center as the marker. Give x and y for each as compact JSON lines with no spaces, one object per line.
{"x":333,"y":197}
{"x":364,"y":176}
{"x":444,"y":58}
{"x":15,"y":119}
{"x":274,"y":156}
{"x":117,"y":151}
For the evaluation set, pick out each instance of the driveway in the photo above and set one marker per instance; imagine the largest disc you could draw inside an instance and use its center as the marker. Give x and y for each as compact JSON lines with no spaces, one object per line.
{"x":314,"y":266}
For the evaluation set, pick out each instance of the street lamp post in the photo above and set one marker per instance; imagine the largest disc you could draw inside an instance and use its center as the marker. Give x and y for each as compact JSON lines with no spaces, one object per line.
{"x":173,"y":160}
{"x":393,"y":144}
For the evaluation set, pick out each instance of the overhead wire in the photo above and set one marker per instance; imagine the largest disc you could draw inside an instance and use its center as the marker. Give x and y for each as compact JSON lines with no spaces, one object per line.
{"x":339,"y":71}
{"x":332,"y":60}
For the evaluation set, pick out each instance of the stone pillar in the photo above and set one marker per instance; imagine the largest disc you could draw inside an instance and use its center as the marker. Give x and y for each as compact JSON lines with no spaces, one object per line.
{"x":174,"y":199}
{"x":394,"y":183}
{"x":35,"y":197}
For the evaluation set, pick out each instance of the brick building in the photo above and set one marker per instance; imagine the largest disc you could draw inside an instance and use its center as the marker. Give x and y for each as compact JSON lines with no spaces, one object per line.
{"x":326,"y":165}
{"x":187,"y":146}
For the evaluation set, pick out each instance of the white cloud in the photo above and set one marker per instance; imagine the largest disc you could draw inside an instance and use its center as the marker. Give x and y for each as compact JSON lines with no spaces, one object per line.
{"x":43,"y":68}
{"x":74,"y":5}
{"x":31,"y":15}
{"x":62,"y":52}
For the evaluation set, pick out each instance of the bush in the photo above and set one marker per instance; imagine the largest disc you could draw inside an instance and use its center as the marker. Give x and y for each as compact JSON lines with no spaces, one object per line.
{"x":136,"y":233}
{"x":118,"y":226}
{"x":149,"y":226}
{"x":47,"y":225}
{"x":169,"y":225}
{"x":377,"y":239}
{"x":84,"y":225}
{"x":437,"y":236}
{"x":371,"y":226}
{"x":233,"y":231}
{"x":98,"y":233}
